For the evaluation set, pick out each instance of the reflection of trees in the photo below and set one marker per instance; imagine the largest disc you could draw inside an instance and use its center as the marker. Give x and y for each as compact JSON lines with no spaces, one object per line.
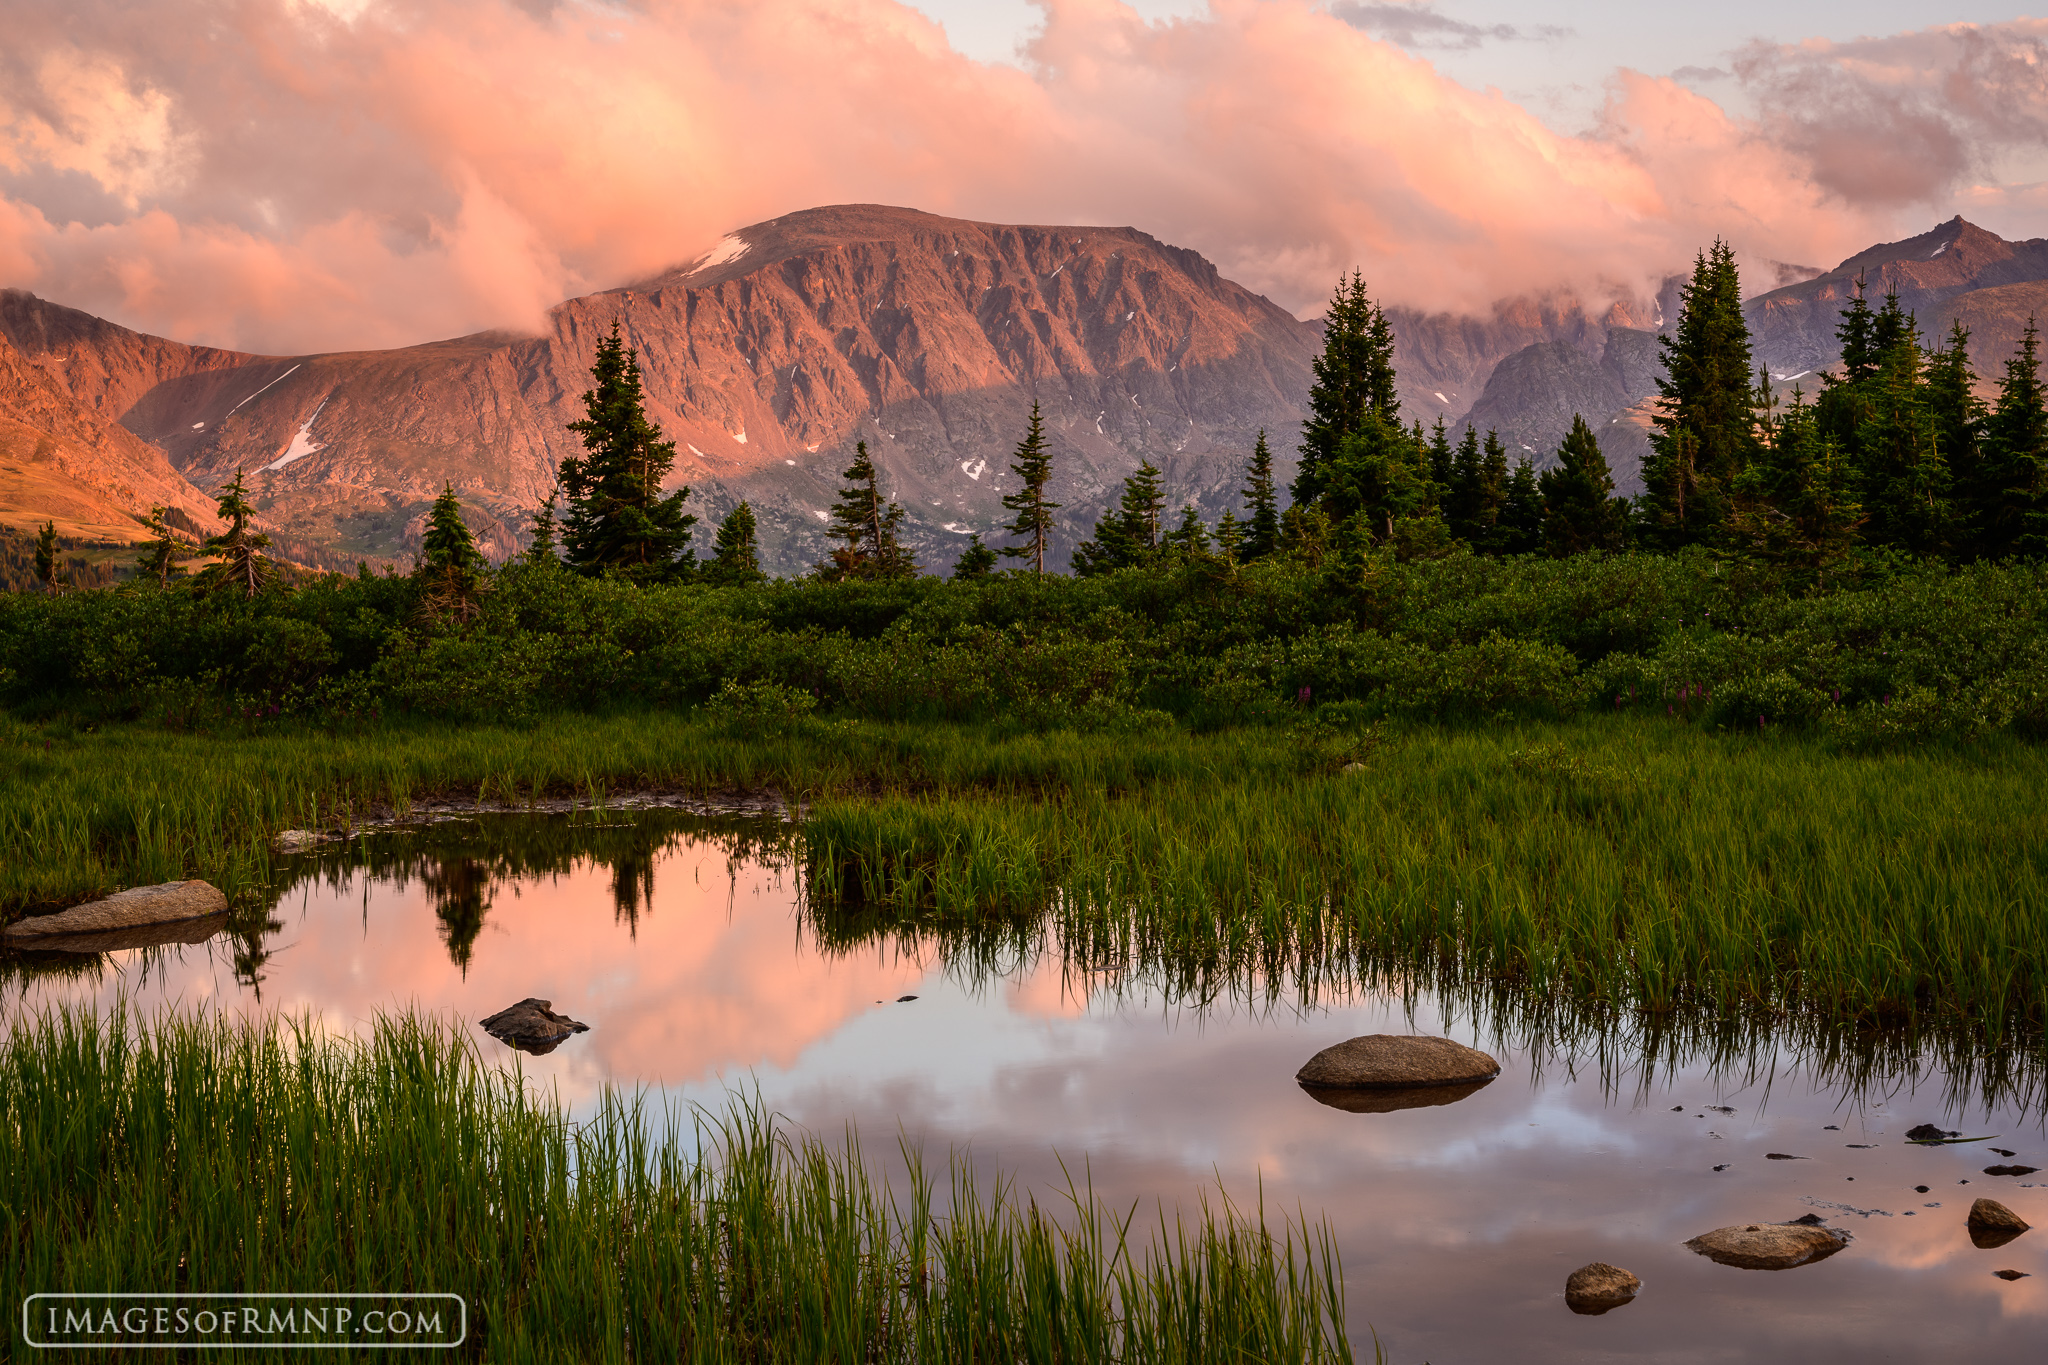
{"x":632,"y":883}
{"x":460,"y":888}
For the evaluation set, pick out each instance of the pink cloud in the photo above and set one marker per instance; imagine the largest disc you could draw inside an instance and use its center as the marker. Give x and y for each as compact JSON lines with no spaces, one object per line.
{"x":292,"y":176}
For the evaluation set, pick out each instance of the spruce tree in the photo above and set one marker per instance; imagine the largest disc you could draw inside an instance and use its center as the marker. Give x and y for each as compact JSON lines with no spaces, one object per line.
{"x":1262,"y":526}
{"x":1034,"y":513}
{"x":736,"y":553}
{"x":1442,"y":465}
{"x":47,"y":560}
{"x":868,"y":526}
{"x":242,"y":566}
{"x":2015,"y":454}
{"x":451,"y":569}
{"x":1958,"y":417}
{"x":1520,"y":529}
{"x":618,"y":520}
{"x":976,"y":561}
{"x":1129,"y":533}
{"x":1190,"y":539}
{"x":1706,"y":429}
{"x":1796,"y":501}
{"x":546,"y":547}
{"x":1579,"y":508}
{"x":1493,"y":495}
{"x":1902,"y":479}
{"x":1230,"y":537}
{"x":158,"y":561}
{"x":1354,"y":376}
{"x":1380,"y":472}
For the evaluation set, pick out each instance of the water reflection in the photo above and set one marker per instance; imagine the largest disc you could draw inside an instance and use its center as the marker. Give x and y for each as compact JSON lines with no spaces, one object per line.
{"x":699,"y":963}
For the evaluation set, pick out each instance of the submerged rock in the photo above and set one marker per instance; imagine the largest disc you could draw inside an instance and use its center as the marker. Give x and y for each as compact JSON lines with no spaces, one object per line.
{"x":1927,"y":1132}
{"x":135,"y":907}
{"x":1598,"y":1287}
{"x":1387,"y":1061}
{"x":1992,"y":1224}
{"x":2010,"y":1170}
{"x":532,"y":1026}
{"x":1769,"y":1246}
{"x":2010,"y":1274}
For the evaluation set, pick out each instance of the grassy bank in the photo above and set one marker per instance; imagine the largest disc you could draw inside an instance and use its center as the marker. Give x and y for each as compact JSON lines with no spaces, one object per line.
{"x":186,"y":1154}
{"x":1633,"y":860}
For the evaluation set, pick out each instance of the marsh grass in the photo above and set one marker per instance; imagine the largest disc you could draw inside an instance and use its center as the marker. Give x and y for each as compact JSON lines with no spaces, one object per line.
{"x":183,"y":1152}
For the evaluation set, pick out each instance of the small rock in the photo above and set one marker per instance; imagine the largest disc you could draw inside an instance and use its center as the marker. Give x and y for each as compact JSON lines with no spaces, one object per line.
{"x":1354,"y":768}
{"x":1832,"y":1128}
{"x":1721,"y":1108}
{"x":2010,"y":1170}
{"x":1598,"y":1287}
{"x":532,"y":1026}
{"x":137,"y":906}
{"x":1784,"y":1156}
{"x":1722,"y":1167}
{"x":1678,"y":1109}
{"x":295,"y":840}
{"x":1992,"y":1224}
{"x":905,"y":999}
{"x":1927,"y":1132}
{"x":2010,"y":1274}
{"x":2003,"y":1151}
{"x":1389,"y":1061}
{"x":1862,"y":1146}
{"x":1811,"y":1220}
{"x":1768,"y":1246}
{"x":1919,"y":1189}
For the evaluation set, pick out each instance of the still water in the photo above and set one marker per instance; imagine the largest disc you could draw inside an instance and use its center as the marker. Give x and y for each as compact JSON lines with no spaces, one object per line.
{"x":687,"y":948}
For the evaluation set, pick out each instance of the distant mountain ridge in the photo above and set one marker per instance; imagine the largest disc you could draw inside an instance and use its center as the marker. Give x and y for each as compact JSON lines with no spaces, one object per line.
{"x":767,"y":358}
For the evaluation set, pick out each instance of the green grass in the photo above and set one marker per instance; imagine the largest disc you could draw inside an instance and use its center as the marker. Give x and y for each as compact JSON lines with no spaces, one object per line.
{"x":1637,"y":862}
{"x":183,"y":1153}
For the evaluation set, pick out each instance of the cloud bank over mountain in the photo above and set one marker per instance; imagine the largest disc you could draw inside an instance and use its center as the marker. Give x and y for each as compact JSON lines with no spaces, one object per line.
{"x":292,"y":175}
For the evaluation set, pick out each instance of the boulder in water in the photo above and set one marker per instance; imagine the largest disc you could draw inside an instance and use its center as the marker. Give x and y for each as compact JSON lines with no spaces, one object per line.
{"x":532,"y":1026}
{"x":1598,"y":1287}
{"x":1992,"y":1224}
{"x":1388,"y":1061}
{"x":134,"y":908}
{"x":1768,"y":1246}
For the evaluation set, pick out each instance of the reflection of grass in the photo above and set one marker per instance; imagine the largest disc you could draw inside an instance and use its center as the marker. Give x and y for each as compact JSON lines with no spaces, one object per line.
{"x":189,"y":1154}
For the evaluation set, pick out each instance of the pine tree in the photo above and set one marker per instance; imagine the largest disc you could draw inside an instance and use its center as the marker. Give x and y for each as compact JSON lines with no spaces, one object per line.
{"x":451,"y":569}
{"x":1379,"y":472}
{"x":976,"y":561}
{"x":1262,"y":527}
{"x":47,"y":561}
{"x":1796,"y":503}
{"x":242,"y":567}
{"x":1958,"y":417}
{"x":1521,"y":514}
{"x":1190,"y":539}
{"x":1579,"y":509}
{"x":1128,"y":534}
{"x":736,"y":553}
{"x":1707,"y":426}
{"x":1902,"y":480}
{"x":1354,"y":376}
{"x":1442,"y":465}
{"x":158,"y":561}
{"x":618,"y":520}
{"x":868,"y":526}
{"x":1034,"y":514}
{"x":545,"y":549}
{"x":1230,"y":537}
{"x":2015,"y":454}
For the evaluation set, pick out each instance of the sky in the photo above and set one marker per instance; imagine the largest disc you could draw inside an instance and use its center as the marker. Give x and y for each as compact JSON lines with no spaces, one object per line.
{"x":300,"y":175}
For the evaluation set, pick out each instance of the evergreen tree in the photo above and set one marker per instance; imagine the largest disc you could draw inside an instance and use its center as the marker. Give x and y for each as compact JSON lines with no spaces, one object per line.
{"x":868,"y":526}
{"x":1580,"y":512}
{"x":1354,"y":376}
{"x":1958,"y":417}
{"x":1128,"y":534}
{"x":545,"y":549}
{"x":159,"y":558}
{"x":1034,"y":514}
{"x":1796,"y":503}
{"x":451,"y":569}
{"x":242,"y":566}
{"x":47,"y":561}
{"x":1379,"y":472}
{"x":976,"y":561}
{"x":1520,"y":530}
{"x":1442,"y":465}
{"x":1706,"y":430}
{"x":618,"y":519}
{"x":1190,"y":539}
{"x":1230,"y":537}
{"x":736,"y":553}
{"x":1902,"y":480}
{"x":1491,"y":503}
{"x":2015,"y":453}
{"x":1262,"y":526}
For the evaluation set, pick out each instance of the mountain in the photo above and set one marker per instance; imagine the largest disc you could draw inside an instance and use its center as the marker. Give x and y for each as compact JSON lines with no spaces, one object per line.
{"x":765,"y":360}
{"x":768,"y":357}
